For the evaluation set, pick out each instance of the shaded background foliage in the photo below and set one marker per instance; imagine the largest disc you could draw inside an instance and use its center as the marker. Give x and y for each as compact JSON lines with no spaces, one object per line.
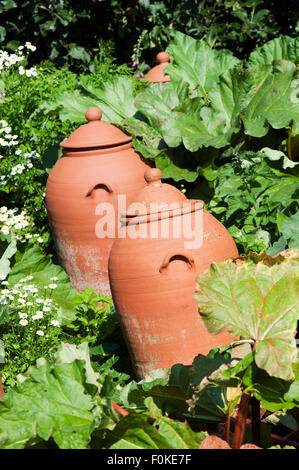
{"x":74,"y":32}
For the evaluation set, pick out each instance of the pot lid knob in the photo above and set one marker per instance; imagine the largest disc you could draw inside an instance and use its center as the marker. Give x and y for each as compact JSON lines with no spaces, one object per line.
{"x":153,"y":176}
{"x":93,"y":114}
{"x":163,"y":57}
{"x":96,"y":133}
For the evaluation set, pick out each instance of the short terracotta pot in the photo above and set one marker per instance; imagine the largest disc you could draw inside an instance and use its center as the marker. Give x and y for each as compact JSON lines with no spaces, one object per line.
{"x":98,"y":165}
{"x":153,"y":279}
{"x":155,"y":75}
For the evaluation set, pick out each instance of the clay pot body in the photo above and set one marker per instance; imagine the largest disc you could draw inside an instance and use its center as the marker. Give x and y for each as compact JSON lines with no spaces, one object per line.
{"x":81,"y":180}
{"x":155,"y":75}
{"x":153,"y":284}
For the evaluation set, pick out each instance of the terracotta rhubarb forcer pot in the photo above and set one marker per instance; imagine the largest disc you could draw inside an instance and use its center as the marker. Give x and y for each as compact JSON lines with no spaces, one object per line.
{"x":98,"y":165}
{"x":153,"y":274}
{"x":155,"y":75}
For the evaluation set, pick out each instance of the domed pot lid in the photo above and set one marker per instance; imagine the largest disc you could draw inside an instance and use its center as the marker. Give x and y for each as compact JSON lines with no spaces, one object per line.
{"x":95,"y":133}
{"x":158,"y":200}
{"x":155,"y":75}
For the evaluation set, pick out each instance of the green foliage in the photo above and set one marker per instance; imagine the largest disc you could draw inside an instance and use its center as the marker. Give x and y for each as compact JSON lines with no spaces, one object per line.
{"x":255,"y":298}
{"x":152,"y":430}
{"x":95,"y":317}
{"x":69,"y":32}
{"x":33,"y":262}
{"x":252,"y":194}
{"x":52,"y":401}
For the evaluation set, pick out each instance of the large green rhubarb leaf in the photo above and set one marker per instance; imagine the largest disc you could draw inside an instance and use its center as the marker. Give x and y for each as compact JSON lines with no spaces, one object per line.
{"x":194,"y":62}
{"x":115,"y":98}
{"x":73,"y":106}
{"x":159,"y":99}
{"x":275,"y":102}
{"x":256,"y":298}
{"x":284,"y":47}
{"x":196,"y":126}
{"x":51,"y":402}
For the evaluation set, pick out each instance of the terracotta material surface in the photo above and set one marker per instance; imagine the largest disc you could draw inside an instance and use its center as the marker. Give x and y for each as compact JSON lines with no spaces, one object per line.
{"x":153,"y":281}
{"x":155,"y":75}
{"x":97,"y":165}
{"x":214,"y":442}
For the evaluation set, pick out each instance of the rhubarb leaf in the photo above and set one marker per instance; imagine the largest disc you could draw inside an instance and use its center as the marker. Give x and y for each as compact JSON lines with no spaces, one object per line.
{"x":256,"y":298}
{"x":194,"y":62}
{"x":283,"y":47}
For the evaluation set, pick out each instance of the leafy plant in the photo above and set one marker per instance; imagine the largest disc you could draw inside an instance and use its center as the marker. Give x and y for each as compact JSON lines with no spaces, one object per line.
{"x":67,"y":410}
{"x":254,"y":194}
{"x":95,"y":317}
{"x":145,"y":26}
{"x":245,"y":298}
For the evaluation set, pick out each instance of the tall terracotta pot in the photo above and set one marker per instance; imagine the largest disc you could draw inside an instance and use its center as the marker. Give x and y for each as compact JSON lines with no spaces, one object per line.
{"x":156,"y":75}
{"x":98,"y":165}
{"x":153,"y":277}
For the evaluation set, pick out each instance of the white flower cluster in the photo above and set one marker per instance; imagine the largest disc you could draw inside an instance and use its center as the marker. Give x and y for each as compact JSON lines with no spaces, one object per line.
{"x":6,"y":137}
{"x":8,"y":60}
{"x":10,"y":221}
{"x":33,"y":310}
{"x":32,"y":72}
{"x":20,"y":167}
{"x":29,"y":46}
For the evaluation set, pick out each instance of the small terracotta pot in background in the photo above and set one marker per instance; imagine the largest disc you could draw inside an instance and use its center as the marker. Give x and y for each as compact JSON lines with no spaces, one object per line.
{"x":155,"y":75}
{"x":153,"y":280}
{"x":97,"y":165}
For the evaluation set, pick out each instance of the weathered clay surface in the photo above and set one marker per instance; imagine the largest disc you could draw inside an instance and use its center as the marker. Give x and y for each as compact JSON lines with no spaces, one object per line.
{"x":249,"y":446}
{"x":214,"y":442}
{"x":153,"y":281}
{"x":98,"y":165}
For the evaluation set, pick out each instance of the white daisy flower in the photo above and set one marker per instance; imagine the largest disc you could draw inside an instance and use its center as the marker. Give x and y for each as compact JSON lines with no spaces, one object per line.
{"x":39,"y":315}
{"x":54,"y":322}
{"x":40,"y":333}
{"x":23,"y":295}
{"x":22,"y":315}
{"x":5,"y":230}
{"x":52,"y":286}
{"x":23,"y":322}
